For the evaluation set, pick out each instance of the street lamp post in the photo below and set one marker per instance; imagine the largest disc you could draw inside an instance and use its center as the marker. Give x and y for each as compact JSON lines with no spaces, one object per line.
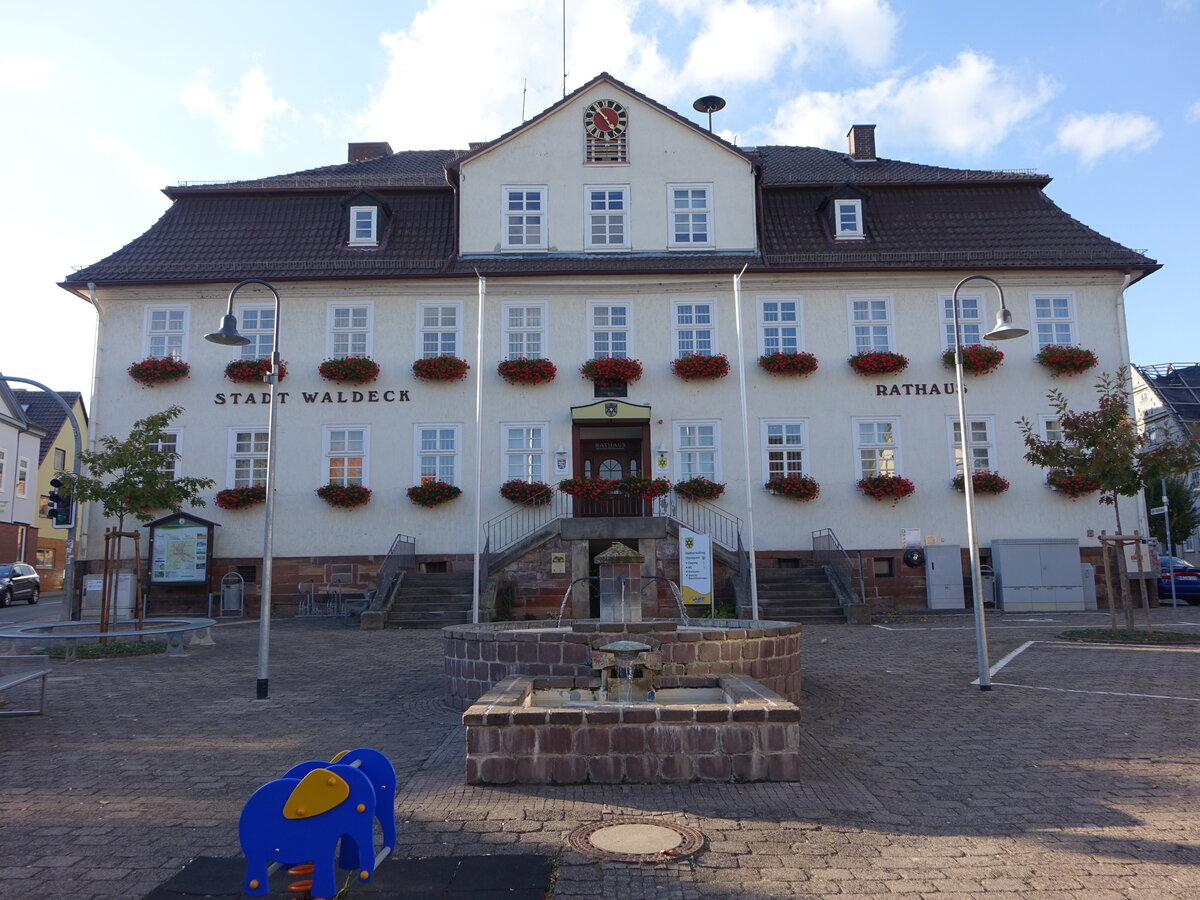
{"x":228,"y":336}
{"x":1003,"y":330}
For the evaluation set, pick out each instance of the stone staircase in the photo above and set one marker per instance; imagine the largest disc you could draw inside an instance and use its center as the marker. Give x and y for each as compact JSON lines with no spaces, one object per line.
{"x":798,"y":595}
{"x":431,"y":600}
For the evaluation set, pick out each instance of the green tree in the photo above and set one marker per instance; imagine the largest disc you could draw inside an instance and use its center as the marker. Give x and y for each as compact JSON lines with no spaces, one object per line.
{"x":1104,"y":444}
{"x":1181,"y":504}
{"x":126,"y":475}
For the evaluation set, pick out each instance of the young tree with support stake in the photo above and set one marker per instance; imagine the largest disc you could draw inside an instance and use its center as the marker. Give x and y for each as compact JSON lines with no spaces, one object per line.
{"x":1105,"y":446}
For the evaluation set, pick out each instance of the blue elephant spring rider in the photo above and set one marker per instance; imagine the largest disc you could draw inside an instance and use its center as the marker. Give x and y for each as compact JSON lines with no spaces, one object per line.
{"x":302,"y":817}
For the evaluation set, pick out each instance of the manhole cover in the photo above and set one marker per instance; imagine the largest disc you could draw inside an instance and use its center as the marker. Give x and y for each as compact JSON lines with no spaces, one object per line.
{"x":636,"y":840}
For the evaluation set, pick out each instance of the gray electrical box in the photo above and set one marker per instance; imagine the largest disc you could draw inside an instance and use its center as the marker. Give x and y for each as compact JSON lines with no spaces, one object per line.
{"x":944,"y":577}
{"x":1038,"y":574}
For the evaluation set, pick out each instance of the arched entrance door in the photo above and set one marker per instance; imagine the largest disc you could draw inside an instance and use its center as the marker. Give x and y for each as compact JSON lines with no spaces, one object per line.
{"x":611,"y":441}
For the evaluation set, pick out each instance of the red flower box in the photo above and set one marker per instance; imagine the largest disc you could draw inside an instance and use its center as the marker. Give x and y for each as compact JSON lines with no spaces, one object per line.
{"x":983,"y":482}
{"x":693,"y":367}
{"x":527,"y":493}
{"x":351,"y":369}
{"x":1073,"y":486}
{"x":699,"y":489}
{"x":433,"y":493}
{"x":795,"y":487}
{"x":441,"y":368}
{"x":245,"y":371}
{"x":878,"y":362}
{"x":240,"y":498}
{"x":887,"y":487}
{"x":646,"y":488}
{"x":788,"y":363}
{"x":1062,"y":360}
{"x":344,"y":496}
{"x":978,"y":359}
{"x":527,"y":371}
{"x":611,"y":368}
{"x":587,"y":488}
{"x":158,"y":370}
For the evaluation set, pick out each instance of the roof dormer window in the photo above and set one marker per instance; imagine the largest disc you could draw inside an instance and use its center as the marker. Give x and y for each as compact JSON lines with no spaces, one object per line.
{"x":848,"y":220}
{"x":364,"y":226}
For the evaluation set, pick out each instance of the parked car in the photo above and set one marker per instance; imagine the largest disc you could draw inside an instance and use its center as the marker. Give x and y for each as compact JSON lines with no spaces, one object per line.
{"x":1186,"y":576}
{"x":19,"y":581}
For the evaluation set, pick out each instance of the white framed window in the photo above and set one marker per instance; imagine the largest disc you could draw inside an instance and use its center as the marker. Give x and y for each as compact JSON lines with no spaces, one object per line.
{"x":247,"y":457}
{"x":970,"y":320}
{"x":870,"y":322}
{"x":610,"y":331}
{"x":3,"y":469}
{"x":1050,"y":428}
{"x":848,"y":220}
{"x":784,"y":447}
{"x":523,"y":225}
{"x":696,"y":451}
{"x":689,"y":208}
{"x":523,"y":330}
{"x":694,"y":327}
{"x":346,"y":449}
{"x":166,"y":332}
{"x":780,"y":327}
{"x":439,"y":329}
{"x":258,"y":324}
{"x":1053,"y":317}
{"x":877,"y":447}
{"x":524,"y":457}
{"x":22,"y":484}
{"x":437,"y":453}
{"x":349,"y":329}
{"x":60,"y":459}
{"x":171,"y":444}
{"x":364,"y":226}
{"x":606,"y":217}
{"x":981,"y":447}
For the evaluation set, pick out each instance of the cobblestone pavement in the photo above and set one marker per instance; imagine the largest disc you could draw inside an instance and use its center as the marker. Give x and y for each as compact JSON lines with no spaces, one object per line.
{"x":1077,"y":777}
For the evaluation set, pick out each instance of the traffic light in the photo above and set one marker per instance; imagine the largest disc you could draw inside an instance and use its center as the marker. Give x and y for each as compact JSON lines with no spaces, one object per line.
{"x":62,"y":508}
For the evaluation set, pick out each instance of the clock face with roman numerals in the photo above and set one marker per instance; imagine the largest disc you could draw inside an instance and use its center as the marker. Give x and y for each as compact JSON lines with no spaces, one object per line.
{"x":605,"y":119}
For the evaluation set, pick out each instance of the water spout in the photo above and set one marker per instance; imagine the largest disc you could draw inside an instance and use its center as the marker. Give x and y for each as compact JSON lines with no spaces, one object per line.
{"x":566,"y":596}
{"x":674,"y":592}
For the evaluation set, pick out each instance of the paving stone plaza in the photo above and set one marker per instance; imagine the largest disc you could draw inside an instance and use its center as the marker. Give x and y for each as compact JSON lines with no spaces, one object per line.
{"x":1078,"y":776}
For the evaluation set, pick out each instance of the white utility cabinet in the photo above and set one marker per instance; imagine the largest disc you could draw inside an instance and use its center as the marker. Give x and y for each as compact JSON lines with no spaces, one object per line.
{"x":944,"y":577}
{"x":1038,"y":574}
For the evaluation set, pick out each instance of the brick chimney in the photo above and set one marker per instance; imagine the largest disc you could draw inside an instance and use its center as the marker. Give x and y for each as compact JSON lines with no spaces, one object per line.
{"x":862,"y":143}
{"x":373,"y":150}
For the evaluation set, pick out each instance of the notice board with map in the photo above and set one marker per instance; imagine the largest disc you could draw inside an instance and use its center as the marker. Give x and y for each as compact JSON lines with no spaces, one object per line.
{"x":180,"y":550}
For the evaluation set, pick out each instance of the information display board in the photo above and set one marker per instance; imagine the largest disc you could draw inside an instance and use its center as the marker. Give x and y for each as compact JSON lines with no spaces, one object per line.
{"x":179,"y":552}
{"x":695,"y":567}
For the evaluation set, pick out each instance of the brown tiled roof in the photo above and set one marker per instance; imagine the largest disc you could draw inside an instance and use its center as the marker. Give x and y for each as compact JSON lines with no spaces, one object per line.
{"x":42,"y":411}
{"x":918,"y":217}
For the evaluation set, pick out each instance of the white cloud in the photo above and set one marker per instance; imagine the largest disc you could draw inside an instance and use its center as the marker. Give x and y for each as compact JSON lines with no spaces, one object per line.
{"x":27,"y":74}
{"x":968,"y":107}
{"x":1093,"y":136}
{"x":244,"y":120}
{"x":518,"y":45}
{"x":1193,"y":113}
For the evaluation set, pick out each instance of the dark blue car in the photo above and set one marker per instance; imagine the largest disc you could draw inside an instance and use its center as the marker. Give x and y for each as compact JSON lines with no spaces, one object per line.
{"x":1185,"y":575}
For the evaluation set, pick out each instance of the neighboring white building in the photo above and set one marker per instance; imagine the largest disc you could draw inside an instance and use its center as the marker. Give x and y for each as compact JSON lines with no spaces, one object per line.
{"x":19,"y":443}
{"x":606,"y":226}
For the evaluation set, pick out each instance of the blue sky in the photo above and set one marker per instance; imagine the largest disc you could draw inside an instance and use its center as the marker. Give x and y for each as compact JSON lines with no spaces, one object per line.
{"x":104,"y":104}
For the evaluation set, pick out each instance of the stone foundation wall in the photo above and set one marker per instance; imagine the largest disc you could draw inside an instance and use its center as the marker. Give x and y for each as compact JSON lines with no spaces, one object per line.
{"x":755,"y":737}
{"x":479,"y":656}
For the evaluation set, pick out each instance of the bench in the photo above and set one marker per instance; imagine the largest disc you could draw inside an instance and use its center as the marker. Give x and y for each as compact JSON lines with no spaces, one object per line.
{"x":18,"y":670}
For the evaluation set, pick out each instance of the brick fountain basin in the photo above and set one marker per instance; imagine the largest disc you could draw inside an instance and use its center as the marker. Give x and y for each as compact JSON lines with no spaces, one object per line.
{"x":541,"y":730}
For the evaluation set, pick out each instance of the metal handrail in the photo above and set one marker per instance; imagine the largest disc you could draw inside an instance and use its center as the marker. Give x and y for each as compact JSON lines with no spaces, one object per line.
{"x":507,"y":529}
{"x":402,"y":555}
{"x":828,"y":553}
{"x":705,"y":518}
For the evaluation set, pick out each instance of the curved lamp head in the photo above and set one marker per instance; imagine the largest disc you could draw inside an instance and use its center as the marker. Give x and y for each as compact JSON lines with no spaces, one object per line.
{"x":228,"y":334}
{"x":1005,"y":329}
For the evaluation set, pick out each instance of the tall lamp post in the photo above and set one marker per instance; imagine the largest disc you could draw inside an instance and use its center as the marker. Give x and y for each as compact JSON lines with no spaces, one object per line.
{"x":228,"y":335}
{"x":1003,"y":330}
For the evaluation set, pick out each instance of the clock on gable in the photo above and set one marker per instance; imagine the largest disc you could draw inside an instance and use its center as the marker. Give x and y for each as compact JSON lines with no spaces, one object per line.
{"x":605,"y":120}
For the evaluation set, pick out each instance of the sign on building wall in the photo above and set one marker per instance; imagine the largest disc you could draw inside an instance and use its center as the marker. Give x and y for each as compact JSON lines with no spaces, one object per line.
{"x":695,"y":567}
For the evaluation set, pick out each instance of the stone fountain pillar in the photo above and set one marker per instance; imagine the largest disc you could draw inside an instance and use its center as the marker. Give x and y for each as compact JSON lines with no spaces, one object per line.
{"x":620,"y":584}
